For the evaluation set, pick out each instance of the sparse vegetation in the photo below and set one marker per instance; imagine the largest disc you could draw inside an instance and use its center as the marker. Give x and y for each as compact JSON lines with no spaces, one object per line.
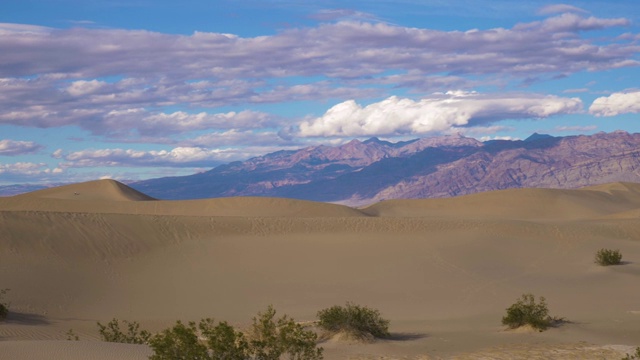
{"x":72,"y":336}
{"x":4,"y":307}
{"x":634,"y":356}
{"x":606,"y":257}
{"x":268,"y":339}
{"x":112,"y":333}
{"x":357,"y":321}
{"x":178,"y":343}
{"x":526,"y":311}
{"x":225,"y":342}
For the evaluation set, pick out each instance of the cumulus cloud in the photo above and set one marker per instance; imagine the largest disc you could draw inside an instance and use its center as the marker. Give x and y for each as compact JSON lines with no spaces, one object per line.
{"x":616,"y":104}
{"x":83,"y":87}
{"x":27,"y":169}
{"x":330,"y":50}
{"x":177,"y":157}
{"x":162,"y":124}
{"x":204,"y":151}
{"x":574,"y":22}
{"x":145,"y":86}
{"x":12,"y":147}
{"x":120,"y":109}
{"x":236,"y":137}
{"x":20,"y":29}
{"x":438,"y":113}
{"x":121,"y":83}
{"x":489,"y":138}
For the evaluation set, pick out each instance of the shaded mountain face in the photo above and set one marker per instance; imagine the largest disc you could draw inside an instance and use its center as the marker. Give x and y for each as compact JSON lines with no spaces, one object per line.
{"x":359,"y":173}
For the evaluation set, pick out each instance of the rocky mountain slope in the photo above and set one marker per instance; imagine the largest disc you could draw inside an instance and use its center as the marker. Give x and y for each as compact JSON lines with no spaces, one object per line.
{"x":364,"y":172}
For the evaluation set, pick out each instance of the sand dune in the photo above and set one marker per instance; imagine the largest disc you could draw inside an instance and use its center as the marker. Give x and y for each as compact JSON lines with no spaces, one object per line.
{"x":108,"y":196}
{"x":442,"y":270}
{"x":106,"y":190}
{"x":523,"y":204}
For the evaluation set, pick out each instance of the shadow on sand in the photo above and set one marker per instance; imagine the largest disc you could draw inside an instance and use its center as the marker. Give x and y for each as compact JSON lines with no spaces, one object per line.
{"x":26,"y":319}
{"x":406,"y":336}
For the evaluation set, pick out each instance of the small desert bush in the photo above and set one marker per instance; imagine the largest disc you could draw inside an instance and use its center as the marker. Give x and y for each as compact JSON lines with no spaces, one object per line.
{"x":112,"y":333}
{"x":526,"y":311}
{"x":268,"y":339}
{"x":353,"y":319}
{"x":4,"y":307}
{"x":179,"y":342}
{"x":225,"y":342}
{"x":606,"y":257}
{"x":634,"y":356}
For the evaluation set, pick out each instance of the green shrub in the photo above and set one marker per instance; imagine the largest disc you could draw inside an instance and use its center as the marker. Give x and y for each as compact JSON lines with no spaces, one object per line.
{"x":635,"y":356}
{"x":353,"y":319}
{"x":178,"y":343}
{"x":527,"y":312}
{"x":4,"y":307}
{"x":224,"y":341}
{"x":270,"y":338}
{"x":606,"y":257}
{"x":112,"y":333}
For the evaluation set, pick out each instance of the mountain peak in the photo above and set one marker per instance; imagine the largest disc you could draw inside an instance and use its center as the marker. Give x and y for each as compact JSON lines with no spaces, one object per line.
{"x":373,"y":140}
{"x":535,"y":136}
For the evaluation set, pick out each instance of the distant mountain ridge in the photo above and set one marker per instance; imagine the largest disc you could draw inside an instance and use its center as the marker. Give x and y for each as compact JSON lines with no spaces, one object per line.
{"x":358,"y":173}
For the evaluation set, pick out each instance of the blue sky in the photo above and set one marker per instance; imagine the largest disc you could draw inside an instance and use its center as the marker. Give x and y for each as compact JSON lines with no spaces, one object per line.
{"x":147,"y":88}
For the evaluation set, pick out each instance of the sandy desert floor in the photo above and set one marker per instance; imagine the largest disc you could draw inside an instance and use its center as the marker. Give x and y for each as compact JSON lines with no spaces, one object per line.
{"x":442,"y":270}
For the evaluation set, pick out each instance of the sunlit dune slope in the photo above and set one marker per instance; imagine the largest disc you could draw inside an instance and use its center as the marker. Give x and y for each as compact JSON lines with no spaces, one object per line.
{"x":109,"y":196}
{"x":531,"y":204}
{"x":101,"y":190}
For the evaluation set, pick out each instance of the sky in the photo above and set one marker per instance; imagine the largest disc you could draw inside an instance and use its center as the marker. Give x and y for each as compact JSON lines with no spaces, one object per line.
{"x":138,"y":89}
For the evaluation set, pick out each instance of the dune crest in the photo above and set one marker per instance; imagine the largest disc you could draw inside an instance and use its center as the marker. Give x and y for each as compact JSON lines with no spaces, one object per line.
{"x":103,"y":190}
{"x":520,"y":204}
{"x":112,"y":197}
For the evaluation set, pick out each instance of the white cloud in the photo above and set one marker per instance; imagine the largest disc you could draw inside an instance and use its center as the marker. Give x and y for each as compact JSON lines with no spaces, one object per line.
{"x":236,"y":138}
{"x":344,"y":50}
{"x":574,"y":22}
{"x":489,"y":138}
{"x":12,"y":147}
{"x":160,"y":77}
{"x":157,"y":124}
{"x":18,"y":29}
{"x":616,"y":104}
{"x":145,"y":86}
{"x":438,"y":113}
{"x":57,"y":154}
{"x":177,"y":157}
{"x":26,"y":169}
{"x":560,"y":8}
{"x":83,"y":87}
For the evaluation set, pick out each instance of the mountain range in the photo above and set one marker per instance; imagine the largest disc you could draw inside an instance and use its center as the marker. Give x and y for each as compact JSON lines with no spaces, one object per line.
{"x":363,"y":172}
